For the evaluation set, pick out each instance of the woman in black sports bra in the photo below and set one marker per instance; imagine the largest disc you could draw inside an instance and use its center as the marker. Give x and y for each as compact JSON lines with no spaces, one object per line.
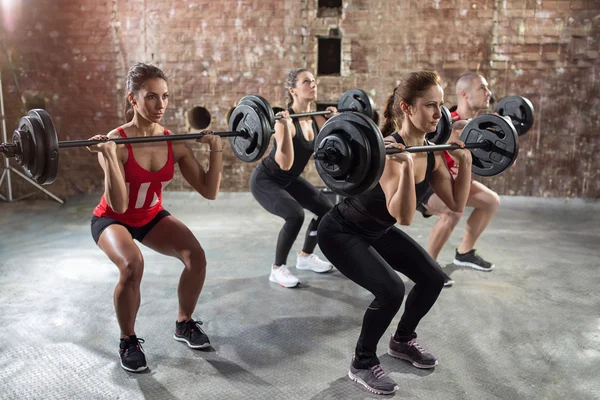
{"x":277,"y":185}
{"x":359,"y":237}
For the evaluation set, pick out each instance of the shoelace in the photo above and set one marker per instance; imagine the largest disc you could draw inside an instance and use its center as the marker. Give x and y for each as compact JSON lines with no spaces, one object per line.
{"x":285,"y":271}
{"x":414,"y":343}
{"x":135,"y":343}
{"x":377,"y":371}
{"x":192,"y":325}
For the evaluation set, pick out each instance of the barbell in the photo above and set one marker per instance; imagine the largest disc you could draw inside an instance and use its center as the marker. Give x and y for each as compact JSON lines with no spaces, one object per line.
{"x":518,"y":108}
{"x":35,"y":144}
{"x":350,"y":151}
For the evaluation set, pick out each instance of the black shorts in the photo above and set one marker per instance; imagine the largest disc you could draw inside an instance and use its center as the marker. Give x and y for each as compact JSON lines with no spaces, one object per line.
{"x":99,"y":224}
{"x":423,"y":200}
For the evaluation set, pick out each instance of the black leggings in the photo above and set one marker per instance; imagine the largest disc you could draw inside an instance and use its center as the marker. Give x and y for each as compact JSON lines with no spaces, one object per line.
{"x":289,"y":202}
{"x":373,"y":264}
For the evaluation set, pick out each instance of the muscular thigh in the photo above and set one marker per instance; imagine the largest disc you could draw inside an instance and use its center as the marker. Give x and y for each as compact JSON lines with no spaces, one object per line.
{"x":481,"y":196}
{"x":116,"y":242}
{"x":436,"y":206}
{"x":173,"y":238}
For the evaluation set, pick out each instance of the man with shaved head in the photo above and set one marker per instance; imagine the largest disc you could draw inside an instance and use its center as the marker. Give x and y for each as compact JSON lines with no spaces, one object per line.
{"x":473,"y":96}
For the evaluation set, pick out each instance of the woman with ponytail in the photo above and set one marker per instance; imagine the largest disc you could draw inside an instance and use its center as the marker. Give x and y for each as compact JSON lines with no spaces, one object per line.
{"x":131,"y":208}
{"x":277,"y":185}
{"x":359,"y":237}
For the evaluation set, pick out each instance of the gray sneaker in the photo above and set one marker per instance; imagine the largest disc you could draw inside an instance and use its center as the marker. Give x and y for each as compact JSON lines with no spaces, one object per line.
{"x":412,"y":352}
{"x":374,"y":379}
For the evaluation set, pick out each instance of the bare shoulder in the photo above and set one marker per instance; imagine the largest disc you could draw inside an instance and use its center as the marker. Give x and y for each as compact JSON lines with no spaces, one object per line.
{"x":439,"y":160}
{"x":114,"y":134}
{"x":181,"y":149}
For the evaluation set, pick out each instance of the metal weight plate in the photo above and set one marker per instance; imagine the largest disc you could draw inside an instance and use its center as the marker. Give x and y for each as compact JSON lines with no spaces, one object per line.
{"x":249,"y":119}
{"x":503,"y":140}
{"x":51,"y":144}
{"x":357,"y":100}
{"x":263,"y":105}
{"x":443,"y":129}
{"x":360,"y":151}
{"x":33,"y":145}
{"x":519,"y":109}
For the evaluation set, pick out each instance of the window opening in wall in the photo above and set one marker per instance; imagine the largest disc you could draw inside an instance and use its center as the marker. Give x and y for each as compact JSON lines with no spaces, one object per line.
{"x":330,"y":56}
{"x":329,"y":8}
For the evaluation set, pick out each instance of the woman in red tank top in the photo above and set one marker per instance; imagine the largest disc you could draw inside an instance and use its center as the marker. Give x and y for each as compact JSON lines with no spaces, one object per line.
{"x":131,"y":208}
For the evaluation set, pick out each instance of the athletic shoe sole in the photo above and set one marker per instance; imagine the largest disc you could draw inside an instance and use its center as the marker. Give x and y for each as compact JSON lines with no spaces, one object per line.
{"x":472,"y":265}
{"x":288,"y":285}
{"x":403,"y":356}
{"x":139,"y":369}
{"x":192,"y":346}
{"x":369,"y":388}
{"x":318,"y":271}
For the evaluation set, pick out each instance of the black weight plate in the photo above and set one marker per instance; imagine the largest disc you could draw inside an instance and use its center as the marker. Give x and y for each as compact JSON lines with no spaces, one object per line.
{"x":254,"y":102}
{"x":251,"y":148}
{"x":357,"y":100}
{"x":340,"y":162}
{"x":519,"y":109}
{"x":264,"y":106}
{"x":443,"y":129}
{"x":36,"y":157}
{"x":502,"y":137}
{"x":377,"y":154}
{"x":357,"y":134}
{"x":247,"y":118}
{"x":51,"y":143}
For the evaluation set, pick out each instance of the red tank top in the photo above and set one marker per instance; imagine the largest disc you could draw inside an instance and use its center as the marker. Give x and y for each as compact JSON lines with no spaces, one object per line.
{"x":144,"y":187}
{"x":452,"y":165}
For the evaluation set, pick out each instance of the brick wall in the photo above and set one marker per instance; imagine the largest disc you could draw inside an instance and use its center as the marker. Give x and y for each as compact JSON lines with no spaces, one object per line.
{"x":77,"y":54}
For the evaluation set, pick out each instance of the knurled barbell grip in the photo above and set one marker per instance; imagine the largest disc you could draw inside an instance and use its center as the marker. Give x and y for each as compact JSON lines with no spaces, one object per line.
{"x":145,"y":139}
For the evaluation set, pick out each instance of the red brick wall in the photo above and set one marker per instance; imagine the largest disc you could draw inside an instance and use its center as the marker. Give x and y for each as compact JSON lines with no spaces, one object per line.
{"x":77,"y":54}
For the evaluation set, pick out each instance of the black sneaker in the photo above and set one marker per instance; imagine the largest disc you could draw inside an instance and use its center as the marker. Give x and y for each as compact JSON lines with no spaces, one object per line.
{"x":190,"y":332}
{"x":447,"y":280}
{"x":472,"y":260}
{"x":132,"y":355}
{"x":374,"y":379}
{"x":412,"y":352}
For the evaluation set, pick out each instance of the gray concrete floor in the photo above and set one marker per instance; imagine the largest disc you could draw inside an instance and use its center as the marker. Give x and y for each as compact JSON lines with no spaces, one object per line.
{"x":528,"y":330}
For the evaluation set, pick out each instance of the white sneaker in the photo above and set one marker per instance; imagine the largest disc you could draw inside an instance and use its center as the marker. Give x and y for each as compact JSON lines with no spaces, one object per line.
{"x":313,"y":262}
{"x":283,"y":276}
